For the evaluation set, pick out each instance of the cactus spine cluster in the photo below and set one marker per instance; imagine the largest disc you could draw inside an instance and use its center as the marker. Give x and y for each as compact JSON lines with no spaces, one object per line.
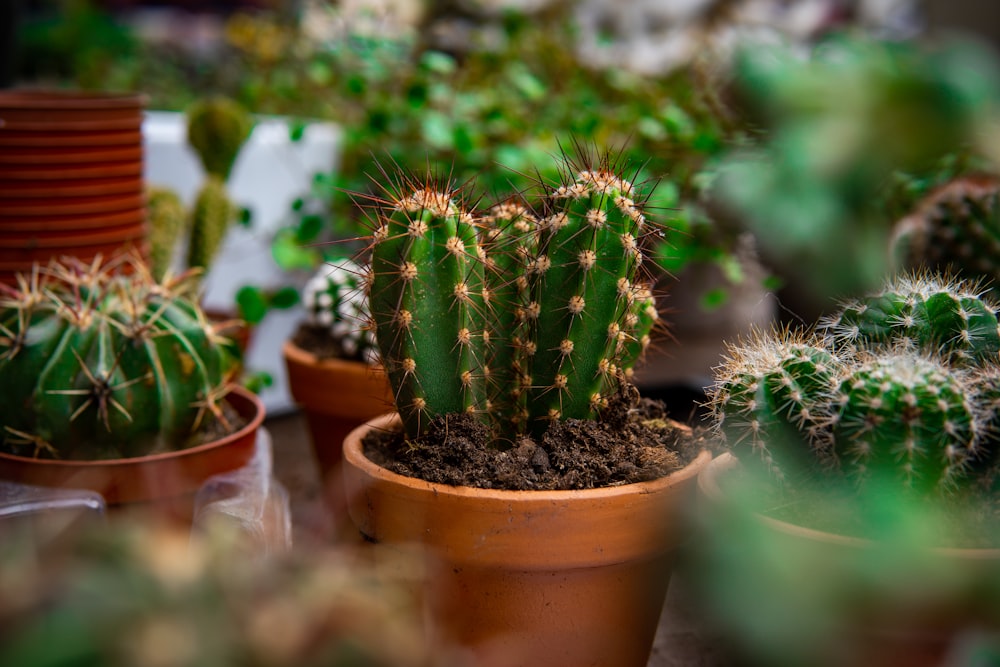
{"x":335,"y":300}
{"x":900,"y":387}
{"x":522,"y":315}
{"x":102,"y":361}
{"x":956,"y":227}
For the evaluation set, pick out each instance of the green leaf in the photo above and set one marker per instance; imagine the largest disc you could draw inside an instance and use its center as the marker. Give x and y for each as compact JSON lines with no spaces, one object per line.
{"x":285,"y":298}
{"x":437,"y":131}
{"x":714,"y":298}
{"x":252,"y":304}
{"x":291,"y":255}
{"x":309,"y":228}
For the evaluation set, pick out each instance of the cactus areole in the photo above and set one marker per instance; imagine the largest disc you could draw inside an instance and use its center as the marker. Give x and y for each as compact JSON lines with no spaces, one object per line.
{"x":100,"y":361}
{"x":529,"y":313}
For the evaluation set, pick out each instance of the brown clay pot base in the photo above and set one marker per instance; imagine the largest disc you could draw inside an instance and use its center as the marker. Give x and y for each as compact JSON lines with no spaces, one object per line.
{"x":56,"y":137}
{"x":46,"y":239}
{"x":68,"y":223}
{"x":64,"y":155}
{"x":9,"y":270}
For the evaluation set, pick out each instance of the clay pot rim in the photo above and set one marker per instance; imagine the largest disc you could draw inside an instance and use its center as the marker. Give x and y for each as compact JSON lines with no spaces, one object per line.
{"x":254,"y":402}
{"x":354,"y":453}
{"x":301,"y":356}
{"x":710,"y":488}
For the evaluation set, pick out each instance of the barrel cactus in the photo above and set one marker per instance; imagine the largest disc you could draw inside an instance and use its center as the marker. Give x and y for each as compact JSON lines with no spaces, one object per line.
{"x":335,"y":301}
{"x":906,"y":399}
{"x":519,"y":316}
{"x":101,"y":361}
{"x":956,"y":227}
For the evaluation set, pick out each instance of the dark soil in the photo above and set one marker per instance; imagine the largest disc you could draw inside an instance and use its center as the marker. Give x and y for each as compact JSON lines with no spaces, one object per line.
{"x":320,"y":342}
{"x":633,"y":441}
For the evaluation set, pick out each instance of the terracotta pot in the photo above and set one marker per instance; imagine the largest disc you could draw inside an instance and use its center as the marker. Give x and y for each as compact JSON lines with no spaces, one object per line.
{"x":57,"y":189}
{"x":554,"y":578}
{"x":10,"y":269}
{"x":879,"y":606}
{"x":68,"y":223}
{"x":337,"y":396}
{"x":62,"y":155}
{"x":167,"y":480}
{"x":30,"y":109}
{"x":103,"y":242}
{"x":38,"y":175}
{"x":65,"y":137}
{"x":69,"y":206}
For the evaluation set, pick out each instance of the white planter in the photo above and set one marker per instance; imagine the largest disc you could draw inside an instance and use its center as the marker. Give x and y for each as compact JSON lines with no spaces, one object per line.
{"x":271,"y":171}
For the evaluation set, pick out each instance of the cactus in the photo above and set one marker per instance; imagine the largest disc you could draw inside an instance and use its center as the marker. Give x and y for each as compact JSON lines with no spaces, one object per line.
{"x":335,"y":300}
{"x":771,"y":400}
{"x":102,"y":361}
{"x":956,"y":227}
{"x":913,"y":404}
{"x":217,"y":129}
{"x":167,"y":219}
{"x":929,"y":311}
{"x":515,"y":316}
{"x":907,"y":419}
{"x":210,"y":218}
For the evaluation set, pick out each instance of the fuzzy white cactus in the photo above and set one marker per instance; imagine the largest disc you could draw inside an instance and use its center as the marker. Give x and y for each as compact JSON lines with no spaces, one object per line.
{"x":335,"y":300}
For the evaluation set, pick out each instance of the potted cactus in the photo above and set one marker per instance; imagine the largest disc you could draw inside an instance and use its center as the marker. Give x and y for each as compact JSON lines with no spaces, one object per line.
{"x":333,"y":369}
{"x":506,"y":336}
{"x":867,"y":450}
{"x":118,"y":383}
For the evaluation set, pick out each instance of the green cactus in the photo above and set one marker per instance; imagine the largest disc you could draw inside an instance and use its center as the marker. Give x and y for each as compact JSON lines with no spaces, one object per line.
{"x":582,"y":289}
{"x":927,"y":310}
{"x":956,"y":227}
{"x":167,"y":219}
{"x":335,"y":300}
{"x":102,"y":361}
{"x":643,"y":317}
{"x":516,"y":317}
{"x":428,"y":306}
{"x":210,"y":218}
{"x":772,"y":399}
{"x":217,"y":128}
{"x":906,"y":418}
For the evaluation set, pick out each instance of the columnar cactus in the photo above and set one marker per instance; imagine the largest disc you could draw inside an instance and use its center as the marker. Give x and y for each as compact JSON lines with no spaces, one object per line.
{"x":335,"y":300}
{"x":102,"y":361}
{"x":210,"y":218}
{"x":907,"y":398}
{"x":956,"y":227}
{"x":927,"y":310}
{"x":428,"y":304}
{"x":516,"y":316}
{"x":167,"y":219}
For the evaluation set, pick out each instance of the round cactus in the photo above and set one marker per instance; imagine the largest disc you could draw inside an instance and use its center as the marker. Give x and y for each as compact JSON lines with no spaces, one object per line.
{"x":335,"y":299}
{"x":928,"y":311}
{"x":101,"y":361}
{"x":956,"y":227}
{"x":906,"y":418}
{"x":772,"y":401}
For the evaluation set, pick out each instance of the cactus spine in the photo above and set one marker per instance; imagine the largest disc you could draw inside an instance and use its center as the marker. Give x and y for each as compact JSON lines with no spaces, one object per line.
{"x":516,"y":317}
{"x":106,"y":364}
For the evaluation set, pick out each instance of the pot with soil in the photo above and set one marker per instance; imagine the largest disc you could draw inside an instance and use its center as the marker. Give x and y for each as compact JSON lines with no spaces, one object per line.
{"x":547,"y":497}
{"x":117,"y":383}
{"x":863,"y":505}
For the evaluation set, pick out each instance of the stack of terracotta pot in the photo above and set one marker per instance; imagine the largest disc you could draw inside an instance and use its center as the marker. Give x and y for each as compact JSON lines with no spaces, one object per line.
{"x":71,"y":176}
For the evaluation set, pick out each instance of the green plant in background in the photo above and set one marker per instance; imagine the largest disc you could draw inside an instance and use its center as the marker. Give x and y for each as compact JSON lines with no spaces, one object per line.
{"x":336,"y":303}
{"x":551,"y":295}
{"x":102,"y":361}
{"x":895,"y":395}
{"x":167,"y":219}
{"x":813,"y":189}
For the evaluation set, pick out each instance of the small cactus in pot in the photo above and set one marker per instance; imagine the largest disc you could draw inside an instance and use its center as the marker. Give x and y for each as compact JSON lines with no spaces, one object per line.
{"x":336,"y":303}
{"x":905,"y":399}
{"x":100,"y":361}
{"x":520,"y":316}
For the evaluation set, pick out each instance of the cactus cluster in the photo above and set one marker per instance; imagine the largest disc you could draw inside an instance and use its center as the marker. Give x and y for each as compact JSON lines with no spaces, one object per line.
{"x":526,"y":312}
{"x":335,"y":301}
{"x":102,"y":361}
{"x":956,"y":227}
{"x":900,"y":387}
